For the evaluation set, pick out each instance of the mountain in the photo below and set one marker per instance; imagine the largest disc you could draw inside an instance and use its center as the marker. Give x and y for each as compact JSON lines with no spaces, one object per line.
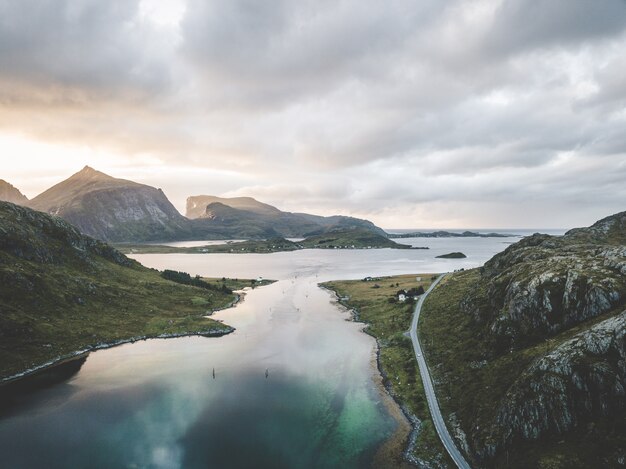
{"x":114,"y":210}
{"x":533,"y":370}
{"x":62,"y":292}
{"x":196,"y":205}
{"x":8,"y":193}
{"x":246,"y":217}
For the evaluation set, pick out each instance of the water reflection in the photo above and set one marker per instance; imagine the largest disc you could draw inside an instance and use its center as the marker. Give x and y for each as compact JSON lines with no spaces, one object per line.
{"x":156,"y":404}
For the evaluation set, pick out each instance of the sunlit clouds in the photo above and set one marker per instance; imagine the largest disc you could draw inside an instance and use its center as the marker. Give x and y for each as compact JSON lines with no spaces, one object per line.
{"x":412,"y":114}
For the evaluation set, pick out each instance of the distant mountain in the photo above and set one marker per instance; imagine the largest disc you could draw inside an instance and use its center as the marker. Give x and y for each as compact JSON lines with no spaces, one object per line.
{"x":196,"y":205}
{"x":62,"y":292}
{"x":112,"y":209}
{"x":8,"y":193}
{"x":449,"y":234}
{"x":246,"y":217}
{"x":121,"y":211}
{"x":534,"y":368}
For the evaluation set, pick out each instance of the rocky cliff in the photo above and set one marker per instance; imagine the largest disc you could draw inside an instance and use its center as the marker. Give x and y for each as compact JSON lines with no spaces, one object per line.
{"x":113,"y":209}
{"x":544,"y":328}
{"x":8,"y":193}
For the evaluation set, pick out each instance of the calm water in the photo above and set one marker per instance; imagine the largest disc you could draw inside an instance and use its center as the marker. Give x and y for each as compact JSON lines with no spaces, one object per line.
{"x":156,"y":404}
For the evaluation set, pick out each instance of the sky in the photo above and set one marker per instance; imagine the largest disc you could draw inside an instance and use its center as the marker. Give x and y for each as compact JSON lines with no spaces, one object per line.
{"x":411,"y":113}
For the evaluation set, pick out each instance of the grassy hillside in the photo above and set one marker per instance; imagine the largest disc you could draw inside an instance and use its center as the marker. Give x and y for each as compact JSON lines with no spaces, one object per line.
{"x":61,"y":291}
{"x":528,"y":351}
{"x":387,"y":321}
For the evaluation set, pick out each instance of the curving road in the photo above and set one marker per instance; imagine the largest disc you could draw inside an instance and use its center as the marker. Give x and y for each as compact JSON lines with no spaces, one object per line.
{"x":433,"y":405}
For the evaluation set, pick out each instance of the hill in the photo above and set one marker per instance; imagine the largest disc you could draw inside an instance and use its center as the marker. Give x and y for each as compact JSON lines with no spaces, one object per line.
{"x":61,"y":292}
{"x":112,"y":209}
{"x":351,"y":239}
{"x":249,"y":218}
{"x":529,"y":351}
{"x":8,"y":193}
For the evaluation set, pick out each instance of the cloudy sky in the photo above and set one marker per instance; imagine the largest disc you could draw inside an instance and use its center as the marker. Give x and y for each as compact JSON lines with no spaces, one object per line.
{"x":412,"y":113}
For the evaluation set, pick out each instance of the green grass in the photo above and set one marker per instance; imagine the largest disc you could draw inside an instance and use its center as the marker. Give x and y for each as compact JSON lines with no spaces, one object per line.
{"x":388,"y":322}
{"x":52,"y":310}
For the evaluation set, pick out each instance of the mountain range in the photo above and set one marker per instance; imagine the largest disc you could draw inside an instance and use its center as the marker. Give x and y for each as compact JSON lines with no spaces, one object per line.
{"x":120,"y":211}
{"x":251,"y":218}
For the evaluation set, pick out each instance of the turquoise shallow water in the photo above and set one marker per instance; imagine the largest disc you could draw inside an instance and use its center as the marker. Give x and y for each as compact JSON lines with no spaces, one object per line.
{"x":155,"y":404}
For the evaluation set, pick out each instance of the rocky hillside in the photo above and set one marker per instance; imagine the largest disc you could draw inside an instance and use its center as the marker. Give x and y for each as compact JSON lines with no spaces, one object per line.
{"x":62,"y":291}
{"x":196,"y":205}
{"x":247,"y":217}
{"x":8,"y":193}
{"x":543,"y":327}
{"x":113,"y":210}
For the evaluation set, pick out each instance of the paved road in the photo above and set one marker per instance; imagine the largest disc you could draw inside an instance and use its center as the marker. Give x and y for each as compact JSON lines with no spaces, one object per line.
{"x":433,"y":405}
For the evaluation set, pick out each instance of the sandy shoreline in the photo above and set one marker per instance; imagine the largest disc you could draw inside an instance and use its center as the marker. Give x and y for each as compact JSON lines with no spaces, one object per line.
{"x":394,"y":451}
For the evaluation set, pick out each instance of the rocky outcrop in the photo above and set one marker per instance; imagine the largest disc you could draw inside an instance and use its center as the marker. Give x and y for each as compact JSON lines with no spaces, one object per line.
{"x":46,"y":239}
{"x":579,"y":382}
{"x":544,"y":284}
{"x":560,"y":300}
{"x":8,"y":193}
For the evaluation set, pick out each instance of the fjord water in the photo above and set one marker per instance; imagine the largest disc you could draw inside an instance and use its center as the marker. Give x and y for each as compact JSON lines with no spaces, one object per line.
{"x":294,"y":386}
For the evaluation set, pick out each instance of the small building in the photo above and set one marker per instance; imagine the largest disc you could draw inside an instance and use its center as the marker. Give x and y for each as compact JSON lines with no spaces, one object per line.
{"x":259,"y":279}
{"x":419,"y":279}
{"x":401,"y":297}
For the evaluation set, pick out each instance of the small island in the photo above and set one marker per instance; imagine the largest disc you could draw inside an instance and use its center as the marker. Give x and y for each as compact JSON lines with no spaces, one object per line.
{"x":452,"y":255}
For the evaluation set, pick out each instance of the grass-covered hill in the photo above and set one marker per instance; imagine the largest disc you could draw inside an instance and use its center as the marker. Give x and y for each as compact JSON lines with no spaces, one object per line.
{"x":351,"y":239}
{"x":61,"y":292}
{"x":529,"y":351}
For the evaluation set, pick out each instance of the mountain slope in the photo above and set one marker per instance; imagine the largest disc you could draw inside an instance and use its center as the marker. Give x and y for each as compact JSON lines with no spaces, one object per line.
{"x":114,"y":210}
{"x":247,"y":217}
{"x":61,"y":291}
{"x":531,"y":350}
{"x":8,"y":193}
{"x":196,"y":205}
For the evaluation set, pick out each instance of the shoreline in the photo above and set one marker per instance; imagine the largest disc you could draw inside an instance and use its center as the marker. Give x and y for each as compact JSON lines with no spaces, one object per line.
{"x":29,"y":372}
{"x":405,"y":436}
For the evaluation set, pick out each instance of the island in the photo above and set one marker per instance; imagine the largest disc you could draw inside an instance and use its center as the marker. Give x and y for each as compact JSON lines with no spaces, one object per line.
{"x":452,"y":255}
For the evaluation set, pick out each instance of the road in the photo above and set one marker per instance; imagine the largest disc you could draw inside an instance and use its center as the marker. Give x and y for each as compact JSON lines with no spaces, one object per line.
{"x":433,"y":405}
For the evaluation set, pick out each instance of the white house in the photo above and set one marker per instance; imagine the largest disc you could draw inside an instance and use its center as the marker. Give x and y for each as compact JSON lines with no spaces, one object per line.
{"x":401,"y":297}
